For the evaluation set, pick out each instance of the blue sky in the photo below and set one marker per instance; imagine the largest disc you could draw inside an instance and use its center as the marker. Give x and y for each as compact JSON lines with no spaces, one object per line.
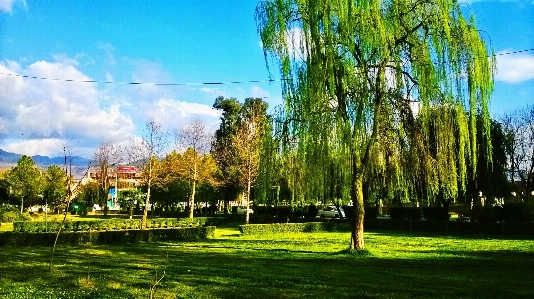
{"x":170,"y":42}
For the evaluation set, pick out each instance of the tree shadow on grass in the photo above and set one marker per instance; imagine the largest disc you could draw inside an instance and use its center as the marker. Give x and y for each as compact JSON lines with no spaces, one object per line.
{"x":464,"y":236}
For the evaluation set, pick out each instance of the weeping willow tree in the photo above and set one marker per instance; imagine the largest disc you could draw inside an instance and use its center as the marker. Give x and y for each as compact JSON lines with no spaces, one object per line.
{"x":351,"y":73}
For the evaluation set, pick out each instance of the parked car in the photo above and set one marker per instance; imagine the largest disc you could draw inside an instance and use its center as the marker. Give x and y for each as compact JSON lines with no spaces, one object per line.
{"x":243,"y":210}
{"x":331,"y":212}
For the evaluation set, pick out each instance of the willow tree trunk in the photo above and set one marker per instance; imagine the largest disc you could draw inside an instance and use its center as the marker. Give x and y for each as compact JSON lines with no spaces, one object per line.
{"x":356,"y":240}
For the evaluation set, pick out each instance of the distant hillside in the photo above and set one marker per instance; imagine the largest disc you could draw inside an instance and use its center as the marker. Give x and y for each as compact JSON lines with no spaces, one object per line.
{"x":8,"y":158}
{"x":79,"y":164}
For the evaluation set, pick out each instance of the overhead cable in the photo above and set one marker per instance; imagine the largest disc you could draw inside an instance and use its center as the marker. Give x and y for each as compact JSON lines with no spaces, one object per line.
{"x":186,"y":84}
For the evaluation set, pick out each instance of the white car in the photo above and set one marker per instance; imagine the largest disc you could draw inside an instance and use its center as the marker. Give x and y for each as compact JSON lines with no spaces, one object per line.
{"x":243,"y":210}
{"x":331,"y":212}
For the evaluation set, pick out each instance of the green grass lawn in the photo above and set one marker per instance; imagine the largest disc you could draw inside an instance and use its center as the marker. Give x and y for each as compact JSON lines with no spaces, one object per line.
{"x":301,"y":265}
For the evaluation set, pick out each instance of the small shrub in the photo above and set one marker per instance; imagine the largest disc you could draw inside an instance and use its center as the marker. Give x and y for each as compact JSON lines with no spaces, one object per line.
{"x":486,"y":214}
{"x":522,"y":212}
{"x":436,"y":213}
{"x":311,"y":212}
{"x":396,"y":213}
{"x":370,"y":212}
{"x":412,"y":213}
{"x":9,"y":213}
{"x":9,"y":217}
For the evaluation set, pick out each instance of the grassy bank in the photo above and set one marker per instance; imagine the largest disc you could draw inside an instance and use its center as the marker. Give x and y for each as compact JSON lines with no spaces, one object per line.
{"x":297,"y":265}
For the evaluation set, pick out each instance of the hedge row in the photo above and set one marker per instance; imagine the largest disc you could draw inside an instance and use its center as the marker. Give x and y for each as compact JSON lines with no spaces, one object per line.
{"x":107,"y":225}
{"x":252,"y":229}
{"x":412,"y":213}
{"x":509,"y":212}
{"x":106,"y":237}
{"x":503,"y":228}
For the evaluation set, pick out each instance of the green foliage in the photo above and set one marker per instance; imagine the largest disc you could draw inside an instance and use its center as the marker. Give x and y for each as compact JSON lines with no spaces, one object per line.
{"x":128,"y":198}
{"x":435,"y":213}
{"x":267,"y":229}
{"x":25,"y":181}
{"x":112,"y":224}
{"x":106,"y":237}
{"x":521,"y":212}
{"x":91,"y":194}
{"x":9,"y":213}
{"x":518,"y":212}
{"x":55,"y":189}
{"x":409,"y":213}
{"x":349,"y":80}
{"x":228,"y":127}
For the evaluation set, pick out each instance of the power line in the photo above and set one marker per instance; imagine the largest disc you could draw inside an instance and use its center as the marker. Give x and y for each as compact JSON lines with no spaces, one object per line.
{"x":138,"y":83}
{"x":514,"y":52}
{"x":187,"y":84}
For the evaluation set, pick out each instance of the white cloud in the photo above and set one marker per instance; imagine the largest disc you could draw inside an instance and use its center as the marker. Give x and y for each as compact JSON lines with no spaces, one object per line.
{"x":258,"y":92}
{"x":7,"y":5}
{"x":35,"y":111}
{"x":515,"y":68}
{"x":173,"y":113}
{"x":64,"y":59}
{"x":108,"y":50}
{"x":34,"y":147}
{"x":38,"y":115}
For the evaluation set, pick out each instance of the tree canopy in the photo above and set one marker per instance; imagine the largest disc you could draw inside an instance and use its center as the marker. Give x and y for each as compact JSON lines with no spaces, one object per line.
{"x":55,"y":189}
{"x":25,"y":180}
{"x":353,"y":72}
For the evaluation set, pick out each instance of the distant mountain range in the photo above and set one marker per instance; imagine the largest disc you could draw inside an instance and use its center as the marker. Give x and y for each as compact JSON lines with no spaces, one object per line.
{"x":78,"y":164}
{"x":9,"y":158}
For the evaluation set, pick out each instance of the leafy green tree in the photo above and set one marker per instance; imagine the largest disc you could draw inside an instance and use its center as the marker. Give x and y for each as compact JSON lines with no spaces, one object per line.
{"x":25,"y":181}
{"x":5,"y":197}
{"x":128,"y":199}
{"x":351,"y":71}
{"x":491,"y":175}
{"x":170,"y":188}
{"x":195,"y":165}
{"x":55,"y":189}
{"x":245,"y":145}
{"x":270,"y":169}
{"x":227,"y":175}
{"x":91,"y":194}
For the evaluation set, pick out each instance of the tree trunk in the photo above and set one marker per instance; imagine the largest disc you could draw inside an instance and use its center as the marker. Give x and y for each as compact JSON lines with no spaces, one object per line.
{"x":145,"y":210}
{"x":192,"y":200}
{"x":356,"y":241}
{"x":22,"y":205}
{"x":247,"y":218}
{"x":147,"y":199}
